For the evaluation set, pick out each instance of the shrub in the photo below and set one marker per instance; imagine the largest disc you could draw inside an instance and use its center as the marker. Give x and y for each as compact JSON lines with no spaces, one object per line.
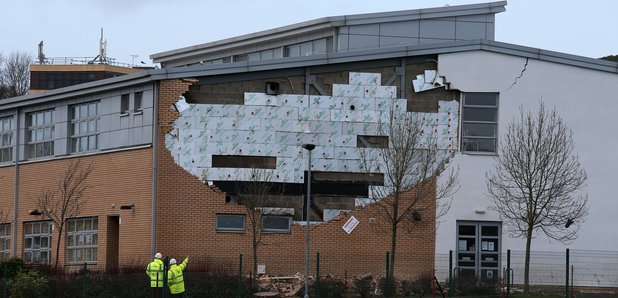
{"x":13,"y":266}
{"x":28,"y":283}
{"x":420,"y":286}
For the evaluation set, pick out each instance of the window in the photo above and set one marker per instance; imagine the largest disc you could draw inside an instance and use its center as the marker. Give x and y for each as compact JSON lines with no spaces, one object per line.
{"x":6,"y":139}
{"x":230,"y":223}
{"x":41,"y":134}
{"x":480,"y":122}
{"x":137,"y":101}
{"x":314,"y":47}
{"x":37,"y":242}
{"x":5,"y":241}
{"x":82,"y":240}
{"x":124,"y":104}
{"x":276,"y":224}
{"x":260,"y":55}
{"x":84,"y":127}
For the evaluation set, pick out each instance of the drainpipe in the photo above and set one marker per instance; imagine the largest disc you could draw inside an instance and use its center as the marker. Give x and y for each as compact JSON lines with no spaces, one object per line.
{"x":16,"y":191}
{"x":155,"y":156}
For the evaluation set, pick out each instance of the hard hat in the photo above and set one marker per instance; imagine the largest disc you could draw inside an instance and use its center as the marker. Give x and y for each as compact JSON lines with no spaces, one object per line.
{"x":158,"y":255}
{"x":172,"y":261}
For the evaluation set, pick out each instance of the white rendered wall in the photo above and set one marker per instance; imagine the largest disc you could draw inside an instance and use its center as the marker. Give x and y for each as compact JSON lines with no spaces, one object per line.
{"x":588,"y":102}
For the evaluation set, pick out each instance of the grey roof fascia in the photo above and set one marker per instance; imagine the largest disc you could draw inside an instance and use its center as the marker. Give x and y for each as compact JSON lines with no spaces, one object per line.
{"x":328,"y":22}
{"x":550,"y":56}
{"x":427,"y":13}
{"x":386,"y":53}
{"x":77,"y":90}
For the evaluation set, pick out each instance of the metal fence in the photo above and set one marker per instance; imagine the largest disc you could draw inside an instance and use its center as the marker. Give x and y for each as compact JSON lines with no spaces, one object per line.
{"x":561,"y":273}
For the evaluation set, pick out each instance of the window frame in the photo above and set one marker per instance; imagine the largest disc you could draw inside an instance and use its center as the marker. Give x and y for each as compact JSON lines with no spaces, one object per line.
{"x":494,"y":123}
{"x":138,"y":102}
{"x":76,"y":120}
{"x":5,"y":241}
{"x":34,"y":127}
{"x":228,"y":229}
{"x":6,"y":148}
{"x":275,"y":230}
{"x":32,"y":235}
{"x":125,"y":104}
{"x":72,"y":236}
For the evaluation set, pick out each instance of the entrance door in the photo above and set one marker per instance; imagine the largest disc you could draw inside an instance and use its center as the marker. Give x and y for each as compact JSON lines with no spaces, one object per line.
{"x":478,"y":248}
{"x":113,"y":228}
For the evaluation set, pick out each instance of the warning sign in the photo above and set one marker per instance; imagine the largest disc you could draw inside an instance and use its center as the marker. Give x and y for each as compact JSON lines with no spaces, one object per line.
{"x":349,"y":225}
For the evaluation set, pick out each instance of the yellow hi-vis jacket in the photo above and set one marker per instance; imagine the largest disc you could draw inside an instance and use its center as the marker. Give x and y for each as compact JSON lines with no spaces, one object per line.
{"x":174,"y":277}
{"x":155,"y":272}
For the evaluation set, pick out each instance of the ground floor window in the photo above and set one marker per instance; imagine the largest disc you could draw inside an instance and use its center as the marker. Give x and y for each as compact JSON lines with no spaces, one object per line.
{"x":478,"y":248}
{"x":276,"y":224}
{"x":230,"y":223}
{"x":5,"y":241}
{"x":82,"y":240}
{"x":37,"y":242}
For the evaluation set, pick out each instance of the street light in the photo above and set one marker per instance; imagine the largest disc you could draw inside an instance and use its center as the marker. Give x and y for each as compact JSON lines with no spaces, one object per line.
{"x":308,"y":147}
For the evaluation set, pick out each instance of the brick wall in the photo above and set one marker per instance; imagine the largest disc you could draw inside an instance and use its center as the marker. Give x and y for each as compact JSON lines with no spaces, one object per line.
{"x":117,"y":178}
{"x":187,"y":208}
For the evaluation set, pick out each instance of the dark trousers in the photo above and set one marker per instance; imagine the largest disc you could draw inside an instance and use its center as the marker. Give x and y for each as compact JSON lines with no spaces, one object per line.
{"x":156,"y":292}
{"x":179,"y":295}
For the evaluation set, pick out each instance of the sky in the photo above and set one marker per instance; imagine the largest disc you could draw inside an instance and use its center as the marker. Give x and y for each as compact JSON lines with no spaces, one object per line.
{"x":135,"y":29}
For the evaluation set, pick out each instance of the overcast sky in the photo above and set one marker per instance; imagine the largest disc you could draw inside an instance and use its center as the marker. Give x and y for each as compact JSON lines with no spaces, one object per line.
{"x":71,"y":28}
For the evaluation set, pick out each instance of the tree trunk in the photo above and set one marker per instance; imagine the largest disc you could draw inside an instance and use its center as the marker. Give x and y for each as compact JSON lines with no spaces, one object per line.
{"x":393,"y":245}
{"x":60,"y":227}
{"x":527,"y":262}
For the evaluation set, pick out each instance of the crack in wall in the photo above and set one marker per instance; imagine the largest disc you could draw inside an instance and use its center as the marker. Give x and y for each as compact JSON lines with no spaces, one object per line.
{"x":521,"y":74}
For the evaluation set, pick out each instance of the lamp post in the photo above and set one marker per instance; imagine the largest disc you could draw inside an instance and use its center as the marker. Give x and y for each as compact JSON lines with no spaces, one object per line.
{"x":308,"y":147}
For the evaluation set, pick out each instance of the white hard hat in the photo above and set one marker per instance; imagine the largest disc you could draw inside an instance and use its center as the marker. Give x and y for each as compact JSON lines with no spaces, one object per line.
{"x":172,"y":261}
{"x":158,"y":255}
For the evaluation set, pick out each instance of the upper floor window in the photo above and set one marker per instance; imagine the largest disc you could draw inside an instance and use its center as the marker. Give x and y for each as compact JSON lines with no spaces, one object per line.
{"x":5,"y":241}
{"x":137,"y":101}
{"x":260,"y":55}
{"x":40,"y":133}
{"x":314,"y":47}
{"x":84,"y":127}
{"x":480,"y":122}
{"x":37,"y":242}
{"x":124,"y":104}
{"x":6,"y":139}
{"x":82,"y":240}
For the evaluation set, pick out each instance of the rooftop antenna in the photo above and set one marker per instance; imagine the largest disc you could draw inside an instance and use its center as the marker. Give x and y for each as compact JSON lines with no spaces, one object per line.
{"x":41,"y":54}
{"x":102,"y":56}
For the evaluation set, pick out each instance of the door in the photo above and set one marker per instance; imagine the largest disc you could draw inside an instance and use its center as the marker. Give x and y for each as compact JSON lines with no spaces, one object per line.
{"x":113,"y":232}
{"x":478,"y":248}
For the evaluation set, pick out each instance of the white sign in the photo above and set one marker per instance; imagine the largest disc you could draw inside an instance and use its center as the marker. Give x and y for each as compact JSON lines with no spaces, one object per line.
{"x":349,"y":225}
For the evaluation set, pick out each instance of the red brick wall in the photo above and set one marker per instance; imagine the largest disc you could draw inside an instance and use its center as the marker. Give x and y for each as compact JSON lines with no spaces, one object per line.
{"x":117,"y":178}
{"x":187,"y":208}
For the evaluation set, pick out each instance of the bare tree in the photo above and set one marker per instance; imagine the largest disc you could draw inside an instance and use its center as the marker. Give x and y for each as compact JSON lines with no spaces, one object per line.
{"x":259,"y":197}
{"x":15,"y":74}
{"x":66,"y":199}
{"x":411,"y":161}
{"x":537,"y":178}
